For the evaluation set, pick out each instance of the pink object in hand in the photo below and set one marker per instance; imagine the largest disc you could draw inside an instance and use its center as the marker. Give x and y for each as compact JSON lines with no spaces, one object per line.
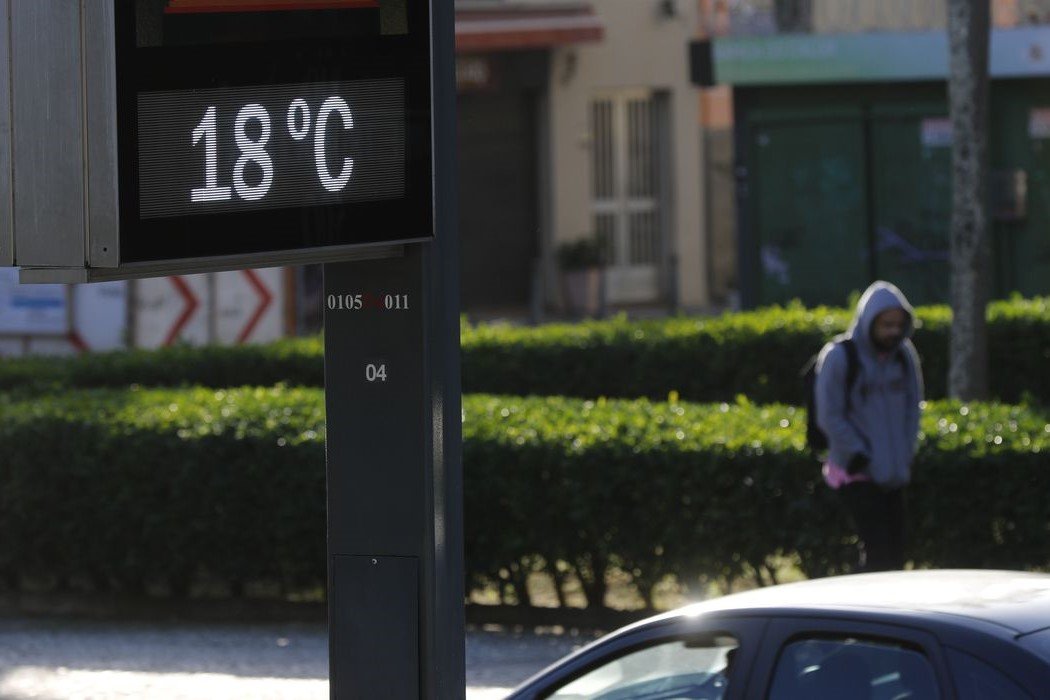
{"x":836,"y":477}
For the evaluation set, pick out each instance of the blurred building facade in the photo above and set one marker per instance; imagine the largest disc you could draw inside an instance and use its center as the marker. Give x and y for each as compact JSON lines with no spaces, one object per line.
{"x":758,"y":17}
{"x":839,"y":165}
{"x":576,"y":118}
{"x":579,"y":119}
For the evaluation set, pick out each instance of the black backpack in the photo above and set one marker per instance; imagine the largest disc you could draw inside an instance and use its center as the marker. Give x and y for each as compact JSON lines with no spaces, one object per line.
{"x":816,"y":440}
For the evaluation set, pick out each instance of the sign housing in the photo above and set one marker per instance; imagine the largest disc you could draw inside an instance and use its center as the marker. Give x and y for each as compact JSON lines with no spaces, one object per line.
{"x":153,"y":137}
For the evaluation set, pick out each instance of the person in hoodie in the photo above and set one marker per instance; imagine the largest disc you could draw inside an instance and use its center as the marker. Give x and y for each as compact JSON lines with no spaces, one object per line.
{"x":873,"y":433}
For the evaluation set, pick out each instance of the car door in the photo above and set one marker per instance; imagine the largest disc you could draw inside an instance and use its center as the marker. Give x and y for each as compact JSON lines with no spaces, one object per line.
{"x":699,"y":658}
{"x":813,"y":658}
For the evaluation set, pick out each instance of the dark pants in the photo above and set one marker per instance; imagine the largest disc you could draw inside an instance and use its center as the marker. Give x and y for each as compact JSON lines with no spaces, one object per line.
{"x":878,"y":515}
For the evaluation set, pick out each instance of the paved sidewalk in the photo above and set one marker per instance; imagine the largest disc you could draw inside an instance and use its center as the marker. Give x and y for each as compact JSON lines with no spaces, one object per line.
{"x":54,"y":660}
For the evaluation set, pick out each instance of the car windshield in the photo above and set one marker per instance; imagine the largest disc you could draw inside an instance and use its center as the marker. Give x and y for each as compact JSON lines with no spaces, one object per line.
{"x":678,"y":669}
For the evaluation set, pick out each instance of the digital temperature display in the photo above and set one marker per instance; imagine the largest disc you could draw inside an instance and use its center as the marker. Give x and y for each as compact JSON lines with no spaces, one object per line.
{"x":275,"y":130}
{"x":270,"y":147}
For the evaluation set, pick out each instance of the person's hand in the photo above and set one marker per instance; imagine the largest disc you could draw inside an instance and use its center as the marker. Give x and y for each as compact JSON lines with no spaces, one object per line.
{"x":858,"y":464}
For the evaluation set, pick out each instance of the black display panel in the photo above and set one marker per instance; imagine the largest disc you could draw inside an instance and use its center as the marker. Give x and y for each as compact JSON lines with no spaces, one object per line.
{"x":270,"y":147}
{"x":307,"y":129}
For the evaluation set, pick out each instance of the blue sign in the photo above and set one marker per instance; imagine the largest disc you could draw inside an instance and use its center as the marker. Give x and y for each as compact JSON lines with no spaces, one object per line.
{"x":32,"y":309}
{"x":874,"y":57}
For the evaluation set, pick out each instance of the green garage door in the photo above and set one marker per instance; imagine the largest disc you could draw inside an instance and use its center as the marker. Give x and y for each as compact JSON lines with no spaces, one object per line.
{"x":911,"y":173}
{"x":809,"y":212}
{"x":1031,"y":243}
{"x":1021,"y":138}
{"x":856,"y":184}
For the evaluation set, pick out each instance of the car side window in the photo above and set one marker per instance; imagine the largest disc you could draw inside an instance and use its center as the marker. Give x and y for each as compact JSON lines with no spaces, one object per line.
{"x":683,"y":668}
{"x":859,"y":669}
{"x":977,"y":680}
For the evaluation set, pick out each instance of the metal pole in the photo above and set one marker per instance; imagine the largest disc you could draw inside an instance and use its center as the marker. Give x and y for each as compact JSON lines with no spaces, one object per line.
{"x":443,"y":630}
{"x":375,"y":396}
{"x":395,"y":485}
{"x":394,"y":479}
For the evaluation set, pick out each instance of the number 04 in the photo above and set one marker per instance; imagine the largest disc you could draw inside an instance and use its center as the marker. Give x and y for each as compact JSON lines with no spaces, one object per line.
{"x":375,"y":373}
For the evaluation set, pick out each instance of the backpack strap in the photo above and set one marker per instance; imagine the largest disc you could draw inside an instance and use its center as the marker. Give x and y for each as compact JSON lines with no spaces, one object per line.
{"x":852,"y":366}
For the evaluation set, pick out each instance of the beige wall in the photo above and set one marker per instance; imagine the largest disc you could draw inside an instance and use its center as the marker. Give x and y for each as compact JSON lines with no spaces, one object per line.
{"x":640,"y":50}
{"x":839,"y":16}
{"x":1013,"y":12}
{"x":834,"y":16}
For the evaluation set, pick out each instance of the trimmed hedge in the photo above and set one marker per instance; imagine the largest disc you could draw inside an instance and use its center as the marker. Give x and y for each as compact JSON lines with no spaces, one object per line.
{"x":134,"y":487}
{"x":757,"y":354}
{"x":129,"y":488}
{"x":663,"y":488}
{"x":291,"y":361}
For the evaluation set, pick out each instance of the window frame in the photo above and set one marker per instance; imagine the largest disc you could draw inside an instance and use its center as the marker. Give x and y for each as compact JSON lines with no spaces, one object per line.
{"x":1005,"y":651}
{"x":632,"y":278}
{"x":748,"y":631}
{"x":787,"y":630}
{"x":957,"y":670}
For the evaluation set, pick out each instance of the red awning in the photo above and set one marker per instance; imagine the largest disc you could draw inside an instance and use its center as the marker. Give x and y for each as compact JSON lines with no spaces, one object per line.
{"x":488,"y":26}
{"x":194,"y":6}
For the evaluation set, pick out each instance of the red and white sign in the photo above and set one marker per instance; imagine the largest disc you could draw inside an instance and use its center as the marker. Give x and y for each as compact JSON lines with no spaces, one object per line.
{"x":249,"y":306}
{"x":170,"y":310}
{"x":100,"y":316}
{"x":197,"y":6}
{"x":229,"y":308}
{"x":226,"y":308}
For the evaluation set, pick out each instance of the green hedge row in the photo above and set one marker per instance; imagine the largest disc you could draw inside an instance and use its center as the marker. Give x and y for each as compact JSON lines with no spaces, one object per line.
{"x":664,"y":488}
{"x":292,"y":361}
{"x":130,"y":488}
{"x":757,"y":354}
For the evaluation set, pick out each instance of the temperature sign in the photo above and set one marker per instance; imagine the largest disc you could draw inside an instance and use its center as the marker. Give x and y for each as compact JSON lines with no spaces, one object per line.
{"x":270,"y":147}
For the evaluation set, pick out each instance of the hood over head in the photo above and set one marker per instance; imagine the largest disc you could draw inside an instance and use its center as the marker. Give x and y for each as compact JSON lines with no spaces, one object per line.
{"x":880,"y":296}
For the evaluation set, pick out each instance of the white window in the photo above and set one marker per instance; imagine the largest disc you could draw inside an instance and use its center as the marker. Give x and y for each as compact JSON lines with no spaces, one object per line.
{"x":628,"y":164}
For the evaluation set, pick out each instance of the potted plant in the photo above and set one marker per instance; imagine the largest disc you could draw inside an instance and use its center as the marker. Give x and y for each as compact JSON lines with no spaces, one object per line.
{"x":581,"y":263}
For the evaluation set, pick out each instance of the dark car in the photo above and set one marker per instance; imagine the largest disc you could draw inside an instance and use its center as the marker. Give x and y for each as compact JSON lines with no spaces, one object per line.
{"x":913,"y":635}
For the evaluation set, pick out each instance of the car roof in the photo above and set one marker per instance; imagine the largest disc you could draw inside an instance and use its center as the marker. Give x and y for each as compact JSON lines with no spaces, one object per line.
{"x":1019,"y":601}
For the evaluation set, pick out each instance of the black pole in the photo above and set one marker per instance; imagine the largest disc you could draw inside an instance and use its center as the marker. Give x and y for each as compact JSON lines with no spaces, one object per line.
{"x":395,"y":485}
{"x":443,"y":630}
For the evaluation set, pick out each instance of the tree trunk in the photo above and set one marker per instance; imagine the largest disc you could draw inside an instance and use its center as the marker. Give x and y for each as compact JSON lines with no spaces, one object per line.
{"x":968,"y":32}
{"x":519,"y":581}
{"x":591,"y":569}
{"x":559,"y":579}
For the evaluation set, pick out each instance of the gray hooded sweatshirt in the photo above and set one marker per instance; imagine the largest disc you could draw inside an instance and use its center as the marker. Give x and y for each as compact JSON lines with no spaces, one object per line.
{"x":881,"y":419}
